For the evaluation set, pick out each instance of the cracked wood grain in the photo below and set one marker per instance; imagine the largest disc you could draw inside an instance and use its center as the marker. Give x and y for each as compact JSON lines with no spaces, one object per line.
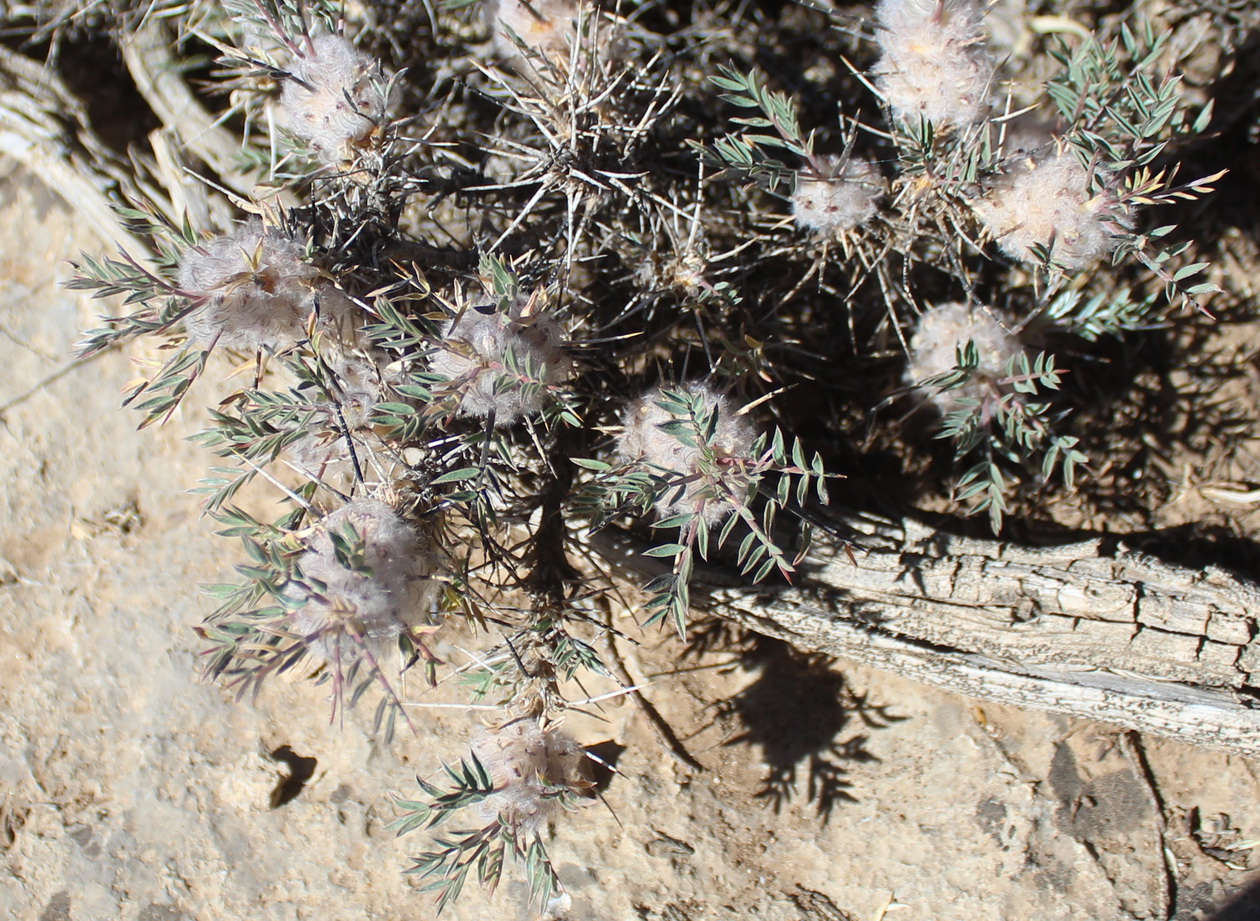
{"x":1122,"y":637}
{"x":45,"y":128}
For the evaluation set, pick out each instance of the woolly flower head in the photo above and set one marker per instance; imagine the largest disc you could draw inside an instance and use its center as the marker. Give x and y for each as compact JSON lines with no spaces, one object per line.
{"x":501,"y":361}
{"x":533,"y":768}
{"x":944,"y":330}
{"x":336,"y":96}
{"x":841,"y":196}
{"x":375,"y":569}
{"x":257,"y":289}
{"x":1046,"y":201}
{"x":933,"y":64}
{"x":664,"y":432}
{"x":546,"y":26}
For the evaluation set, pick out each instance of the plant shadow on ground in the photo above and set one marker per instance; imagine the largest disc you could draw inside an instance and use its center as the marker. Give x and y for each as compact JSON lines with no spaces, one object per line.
{"x":796,"y":711}
{"x":1243,"y":905}
{"x":1143,"y":408}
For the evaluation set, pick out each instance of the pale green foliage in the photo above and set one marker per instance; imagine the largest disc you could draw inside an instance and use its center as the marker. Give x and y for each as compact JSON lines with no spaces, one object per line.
{"x":1003,"y":419}
{"x":444,"y":870}
{"x":497,"y":259}
{"x":711,"y":478}
{"x":1058,"y":201}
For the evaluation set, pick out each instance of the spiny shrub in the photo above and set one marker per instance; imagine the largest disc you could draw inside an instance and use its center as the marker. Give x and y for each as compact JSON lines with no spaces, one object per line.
{"x":470,"y":282}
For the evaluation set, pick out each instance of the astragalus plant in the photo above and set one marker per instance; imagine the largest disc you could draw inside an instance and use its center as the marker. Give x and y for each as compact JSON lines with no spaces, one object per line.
{"x":513,"y":273}
{"x":997,"y":185}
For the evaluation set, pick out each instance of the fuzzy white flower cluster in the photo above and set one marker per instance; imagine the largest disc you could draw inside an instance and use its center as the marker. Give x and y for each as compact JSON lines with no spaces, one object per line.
{"x":257,"y":290}
{"x":545,"y":26}
{"x":1046,"y":201}
{"x":644,"y":441}
{"x":843,"y":194}
{"x":532,"y":767}
{"x":336,"y":96}
{"x":391,"y":592}
{"x":934,"y":64}
{"x":942,"y":331}
{"x":479,"y":349}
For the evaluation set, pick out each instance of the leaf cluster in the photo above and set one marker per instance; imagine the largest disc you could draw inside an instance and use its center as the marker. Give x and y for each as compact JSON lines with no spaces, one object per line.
{"x":444,"y":870}
{"x":1002,"y":421}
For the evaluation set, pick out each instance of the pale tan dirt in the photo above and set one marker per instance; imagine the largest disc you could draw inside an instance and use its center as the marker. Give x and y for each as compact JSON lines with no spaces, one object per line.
{"x":130,"y":791}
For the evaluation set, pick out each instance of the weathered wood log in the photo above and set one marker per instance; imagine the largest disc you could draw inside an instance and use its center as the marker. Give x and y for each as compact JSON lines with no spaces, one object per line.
{"x":1120,"y":637}
{"x":45,"y":128}
{"x":149,"y":53}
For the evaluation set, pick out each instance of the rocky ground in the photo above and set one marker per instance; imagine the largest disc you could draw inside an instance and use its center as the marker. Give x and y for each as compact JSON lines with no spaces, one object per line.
{"x":821,"y":791}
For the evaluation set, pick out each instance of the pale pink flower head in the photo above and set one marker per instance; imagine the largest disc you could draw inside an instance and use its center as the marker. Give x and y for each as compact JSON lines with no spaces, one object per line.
{"x":255,"y":285}
{"x":533,"y":768}
{"x":501,"y":361}
{"x":336,"y":96}
{"x":933,"y":65}
{"x":546,"y":26}
{"x":843,"y":194}
{"x":1045,"y":201}
{"x":934,"y":347}
{"x":372,"y":603}
{"x":646,"y":440}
